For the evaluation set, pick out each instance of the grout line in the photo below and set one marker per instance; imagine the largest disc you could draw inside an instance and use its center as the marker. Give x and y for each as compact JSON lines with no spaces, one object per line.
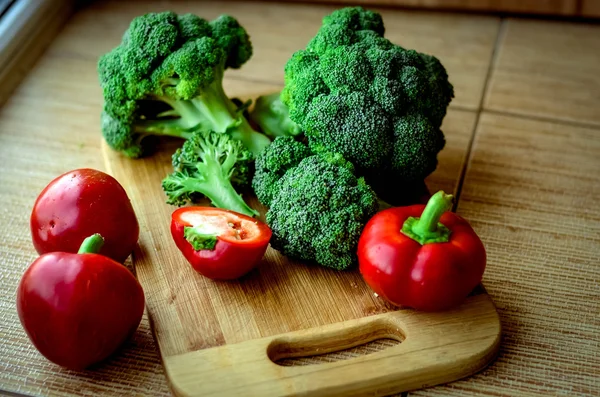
{"x":463,"y":108}
{"x":5,"y":6}
{"x":546,"y":119}
{"x":467,"y":160}
{"x":253,"y":80}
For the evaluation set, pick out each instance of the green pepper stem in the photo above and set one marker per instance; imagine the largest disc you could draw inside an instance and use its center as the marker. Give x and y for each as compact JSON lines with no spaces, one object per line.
{"x":201,"y":237}
{"x":92,"y":244}
{"x":427,"y":228}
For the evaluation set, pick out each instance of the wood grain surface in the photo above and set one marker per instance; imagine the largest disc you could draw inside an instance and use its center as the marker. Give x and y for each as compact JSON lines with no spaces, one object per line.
{"x":280,"y":296}
{"x":590,"y":8}
{"x":214,"y":336}
{"x":544,"y":277}
{"x":434,"y":348}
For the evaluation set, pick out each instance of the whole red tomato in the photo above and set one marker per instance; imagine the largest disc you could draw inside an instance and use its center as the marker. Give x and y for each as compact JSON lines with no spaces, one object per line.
{"x":423,"y":257}
{"x":77,"y":309}
{"x":218,"y":243}
{"x":78,"y":204}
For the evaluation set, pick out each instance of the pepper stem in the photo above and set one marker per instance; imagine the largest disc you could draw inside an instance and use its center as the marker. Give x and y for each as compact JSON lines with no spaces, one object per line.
{"x":427,"y":228}
{"x":92,"y":244}
{"x":201,"y":237}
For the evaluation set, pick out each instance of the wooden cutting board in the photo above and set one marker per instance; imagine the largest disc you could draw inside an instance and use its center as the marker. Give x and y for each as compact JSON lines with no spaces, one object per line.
{"x":271,"y":333}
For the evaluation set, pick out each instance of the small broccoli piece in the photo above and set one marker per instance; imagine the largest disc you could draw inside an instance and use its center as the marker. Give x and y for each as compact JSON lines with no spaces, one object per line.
{"x":272,"y":116}
{"x":381,"y":106}
{"x":210,"y":164}
{"x":165,"y":78}
{"x":284,"y":153}
{"x":320,"y":210}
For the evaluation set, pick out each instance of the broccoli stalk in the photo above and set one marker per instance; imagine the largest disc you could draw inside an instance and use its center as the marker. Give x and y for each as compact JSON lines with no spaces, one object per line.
{"x":273,"y":117}
{"x":166,"y":78}
{"x":213,"y":110}
{"x":208,"y":164}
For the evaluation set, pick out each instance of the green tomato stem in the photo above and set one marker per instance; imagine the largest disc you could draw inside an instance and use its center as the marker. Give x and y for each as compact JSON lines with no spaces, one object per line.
{"x":91,"y":245}
{"x":427,"y":228}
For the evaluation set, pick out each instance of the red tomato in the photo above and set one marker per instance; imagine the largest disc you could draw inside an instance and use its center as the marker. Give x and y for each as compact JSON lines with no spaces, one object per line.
{"x":230,"y":244}
{"x":78,"y":204}
{"x":431,"y":276}
{"x":77,"y":309}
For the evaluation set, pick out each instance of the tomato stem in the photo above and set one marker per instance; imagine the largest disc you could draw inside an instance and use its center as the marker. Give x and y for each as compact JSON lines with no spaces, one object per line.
{"x":427,"y":228}
{"x":92,"y":244}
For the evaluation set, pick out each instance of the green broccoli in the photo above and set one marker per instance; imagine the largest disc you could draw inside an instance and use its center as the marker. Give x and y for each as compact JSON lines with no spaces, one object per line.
{"x":210,"y":164}
{"x":165,"y":78}
{"x":381,"y":106}
{"x":318,"y":207}
{"x":284,"y":153}
{"x":272,"y":116}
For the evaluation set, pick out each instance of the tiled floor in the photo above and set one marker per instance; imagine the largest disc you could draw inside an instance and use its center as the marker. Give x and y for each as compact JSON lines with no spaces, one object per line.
{"x":547,"y":69}
{"x":523,"y":154}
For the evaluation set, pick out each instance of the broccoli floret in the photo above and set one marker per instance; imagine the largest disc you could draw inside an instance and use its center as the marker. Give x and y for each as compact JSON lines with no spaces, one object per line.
{"x":320,"y":210}
{"x":210,"y":164}
{"x":318,"y":207}
{"x":272,"y":116}
{"x":381,"y":106}
{"x":284,"y":153}
{"x":165,"y":78}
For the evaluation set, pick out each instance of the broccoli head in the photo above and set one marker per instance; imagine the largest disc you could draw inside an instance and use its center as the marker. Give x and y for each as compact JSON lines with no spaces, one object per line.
{"x":320,"y":210}
{"x":318,"y":207}
{"x":284,"y":153}
{"x":210,"y":164}
{"x":354,"y":92}
{"x":165,"y":78}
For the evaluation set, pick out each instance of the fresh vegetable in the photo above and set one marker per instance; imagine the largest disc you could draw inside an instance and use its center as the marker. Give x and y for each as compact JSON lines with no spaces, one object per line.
{"x":318,"y":207}
{"x":272,"y":116}
{"x":78,"y":204}
{"x":79,"y":308}
{"x":165,"y":78}
{"x":210,"y":164}
{"x":270,"y":166}
{"x":423,"y":257}
{"x":379,"y":105}
{"x":219,"y":244}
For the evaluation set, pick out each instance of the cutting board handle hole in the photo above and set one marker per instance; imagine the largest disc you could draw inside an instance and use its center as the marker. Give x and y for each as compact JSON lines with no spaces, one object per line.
{"x":337,"y":345}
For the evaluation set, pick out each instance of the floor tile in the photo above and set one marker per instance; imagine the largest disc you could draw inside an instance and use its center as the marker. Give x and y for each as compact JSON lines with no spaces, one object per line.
{"x":547,"y":69}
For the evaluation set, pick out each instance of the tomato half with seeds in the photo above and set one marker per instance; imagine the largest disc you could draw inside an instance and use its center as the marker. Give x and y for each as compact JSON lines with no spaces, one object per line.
{"x":218,"y":243}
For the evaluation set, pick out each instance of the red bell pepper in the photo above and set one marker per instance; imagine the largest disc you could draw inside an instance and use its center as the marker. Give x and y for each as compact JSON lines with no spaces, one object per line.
{"x":218,"y":243}
{"x":78,"y":309}
{"x":423,"y":257}
{"x":76,"y":205}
